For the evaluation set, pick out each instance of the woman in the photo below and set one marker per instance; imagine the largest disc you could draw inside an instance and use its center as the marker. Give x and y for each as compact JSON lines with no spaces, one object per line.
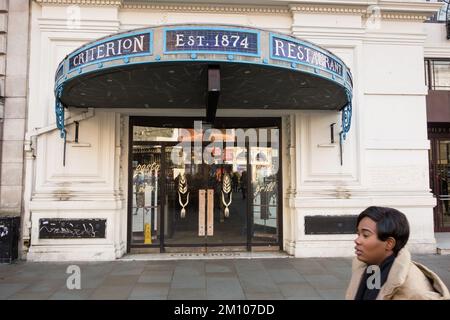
{"x":383,"y":269}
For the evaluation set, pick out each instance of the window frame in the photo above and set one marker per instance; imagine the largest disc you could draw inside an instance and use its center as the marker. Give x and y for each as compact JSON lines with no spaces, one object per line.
{"x":430,"y":74}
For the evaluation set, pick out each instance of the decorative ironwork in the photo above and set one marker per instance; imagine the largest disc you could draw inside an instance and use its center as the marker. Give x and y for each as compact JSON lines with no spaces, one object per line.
{"x":226,"y":190}
{"x":346,"y":116}
{"x":182,"y":190}
{"x":345,"y":123}
{"x":59,"y":110}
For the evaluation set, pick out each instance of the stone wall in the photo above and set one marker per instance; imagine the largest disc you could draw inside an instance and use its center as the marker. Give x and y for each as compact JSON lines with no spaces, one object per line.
{"x":14,"y":17}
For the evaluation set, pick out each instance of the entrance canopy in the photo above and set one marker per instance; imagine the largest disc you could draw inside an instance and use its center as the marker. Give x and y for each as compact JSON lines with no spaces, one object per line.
{"x":203,"y":66}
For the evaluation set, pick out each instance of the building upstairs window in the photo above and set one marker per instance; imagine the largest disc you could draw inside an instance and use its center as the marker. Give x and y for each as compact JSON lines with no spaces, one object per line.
{"x":437,"y":74}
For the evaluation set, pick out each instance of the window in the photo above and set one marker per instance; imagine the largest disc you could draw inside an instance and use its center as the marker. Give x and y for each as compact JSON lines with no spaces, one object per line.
{"x":440,"y":16}
{"x":437,"y":74}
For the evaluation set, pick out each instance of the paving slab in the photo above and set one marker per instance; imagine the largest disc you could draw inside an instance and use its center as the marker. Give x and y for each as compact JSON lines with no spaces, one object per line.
{"x":220,"y":279}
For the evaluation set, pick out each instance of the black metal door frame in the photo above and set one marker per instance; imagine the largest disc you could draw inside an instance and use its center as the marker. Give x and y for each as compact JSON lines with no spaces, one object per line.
{"x":435,"y":138}
{"x":186,"y":122}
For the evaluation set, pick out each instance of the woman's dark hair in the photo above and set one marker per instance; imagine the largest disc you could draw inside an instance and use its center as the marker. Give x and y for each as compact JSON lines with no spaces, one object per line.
{"x":390,"y":223}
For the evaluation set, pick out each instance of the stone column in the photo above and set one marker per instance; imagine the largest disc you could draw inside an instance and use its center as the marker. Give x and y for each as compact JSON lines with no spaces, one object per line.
{"x":14,"y":40}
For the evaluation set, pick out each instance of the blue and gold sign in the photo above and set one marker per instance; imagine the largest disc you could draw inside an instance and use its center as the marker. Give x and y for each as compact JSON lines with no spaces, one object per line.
{"x":125,"y":45}
{"x":166,"y":67}
{"x":212,"y":40}
{"x":299,"y":52}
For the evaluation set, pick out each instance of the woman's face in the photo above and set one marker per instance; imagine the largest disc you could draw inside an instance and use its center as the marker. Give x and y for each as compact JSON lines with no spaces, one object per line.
{"x":369,"y":248}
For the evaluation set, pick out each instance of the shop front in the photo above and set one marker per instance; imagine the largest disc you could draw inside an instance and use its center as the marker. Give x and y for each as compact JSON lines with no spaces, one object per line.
{"x":224,"y":126}
{"x":198,"y":183}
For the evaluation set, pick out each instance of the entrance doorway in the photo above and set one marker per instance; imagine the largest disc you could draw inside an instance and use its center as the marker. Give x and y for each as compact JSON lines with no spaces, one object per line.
{"x":194,"y":187}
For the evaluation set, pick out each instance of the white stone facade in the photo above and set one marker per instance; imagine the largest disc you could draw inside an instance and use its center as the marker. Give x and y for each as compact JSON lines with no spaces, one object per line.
{"x":385,"y":156}
{"x":13,"y":91}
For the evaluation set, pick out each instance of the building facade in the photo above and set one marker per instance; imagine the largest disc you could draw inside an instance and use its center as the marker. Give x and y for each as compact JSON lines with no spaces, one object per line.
{"x":14,"y":57}
{"x":437,"y":70}
{"x":131,"y":165}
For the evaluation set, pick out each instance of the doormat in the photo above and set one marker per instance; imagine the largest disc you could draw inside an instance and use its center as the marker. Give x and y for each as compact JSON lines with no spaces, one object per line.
{"x":204,"y":256}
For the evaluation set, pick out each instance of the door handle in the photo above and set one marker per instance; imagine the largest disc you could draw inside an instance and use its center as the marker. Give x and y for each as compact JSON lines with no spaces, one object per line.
{"x":210,"y":213}
{"x":201,"y":212}
{"x":205,"y":212}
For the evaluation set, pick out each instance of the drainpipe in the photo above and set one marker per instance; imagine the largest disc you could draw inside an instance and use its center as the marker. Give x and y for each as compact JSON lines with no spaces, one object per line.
{"x":30,"y":146}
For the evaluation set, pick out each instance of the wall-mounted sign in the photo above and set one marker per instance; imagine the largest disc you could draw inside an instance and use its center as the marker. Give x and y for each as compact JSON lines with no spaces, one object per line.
{"x":344,"y":224}
{"x":227,"y":41}
{"x":72,"y":228}
{"x":299,"y":52}
{"x":180,"y":54}
{"x":122,"y":45}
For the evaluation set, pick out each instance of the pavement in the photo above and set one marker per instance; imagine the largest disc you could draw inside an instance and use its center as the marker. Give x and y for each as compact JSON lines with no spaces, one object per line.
{"x":224,"y":279}
{"x":442,"y":242}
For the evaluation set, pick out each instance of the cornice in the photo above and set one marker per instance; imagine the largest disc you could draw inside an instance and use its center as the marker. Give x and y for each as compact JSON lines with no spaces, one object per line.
{"x":114,"y":3}
{"x":401,"y":16}
{"x":409,"y":6}
{"x":174,"y":6}
{"x":210,"y":8}
{"x":339,"y":6}
{"x":437,"y":51}
{"x":329,"y":9}
{"x":89,"y":26}
{"x":385,"y":9}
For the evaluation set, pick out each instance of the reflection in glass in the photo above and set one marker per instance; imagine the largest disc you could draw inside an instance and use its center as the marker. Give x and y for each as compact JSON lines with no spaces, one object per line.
{"x":264,"y":183}
{"x":217,"y":180}
{"x":146,"y":165}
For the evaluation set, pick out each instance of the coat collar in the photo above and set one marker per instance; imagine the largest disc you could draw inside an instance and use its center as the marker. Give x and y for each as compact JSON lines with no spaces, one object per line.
{"x":397,"y":275}
{"x":436,"y":282}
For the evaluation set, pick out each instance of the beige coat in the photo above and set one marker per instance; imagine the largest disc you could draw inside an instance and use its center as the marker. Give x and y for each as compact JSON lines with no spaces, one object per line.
{"x":407,"y":280}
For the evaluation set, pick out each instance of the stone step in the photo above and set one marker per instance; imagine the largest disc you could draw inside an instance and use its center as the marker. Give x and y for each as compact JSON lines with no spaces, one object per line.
{"x":204,"y":256}
{"x":443,"y":251}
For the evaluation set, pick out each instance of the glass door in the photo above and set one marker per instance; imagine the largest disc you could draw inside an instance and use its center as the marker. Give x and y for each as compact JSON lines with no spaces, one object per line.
{"x":185,"y":198}
{"x":146,"y":194}
{"x":208,"y":189}
{"x":265,"y":189}
{"x":205,"y":200}
{"x":227,"y":216}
